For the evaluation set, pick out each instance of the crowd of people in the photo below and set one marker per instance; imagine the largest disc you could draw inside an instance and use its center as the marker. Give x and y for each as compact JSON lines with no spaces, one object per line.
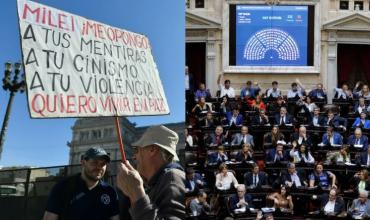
{"x":282,"y":155}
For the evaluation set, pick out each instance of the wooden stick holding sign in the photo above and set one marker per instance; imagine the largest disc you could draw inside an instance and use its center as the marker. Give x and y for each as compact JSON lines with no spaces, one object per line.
{"x":120,"y":139}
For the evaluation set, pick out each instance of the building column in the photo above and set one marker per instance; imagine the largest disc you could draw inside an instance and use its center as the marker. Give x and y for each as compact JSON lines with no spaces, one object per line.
{"x":211,"y":75}
{"x":332,"y":73}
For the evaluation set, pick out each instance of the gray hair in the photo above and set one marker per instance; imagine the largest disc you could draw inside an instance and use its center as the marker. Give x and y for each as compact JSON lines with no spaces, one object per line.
{"x":363,"y":192}
{"x":241,"y":187}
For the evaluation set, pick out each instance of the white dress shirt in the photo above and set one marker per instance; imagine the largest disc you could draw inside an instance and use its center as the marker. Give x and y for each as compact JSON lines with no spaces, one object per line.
{"x":229,"y":92}
{"x":329,"y":207}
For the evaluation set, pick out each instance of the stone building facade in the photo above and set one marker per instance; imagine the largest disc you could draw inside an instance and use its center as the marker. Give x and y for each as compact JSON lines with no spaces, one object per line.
{"x":101,"y":132}
{"x":336,"y":22}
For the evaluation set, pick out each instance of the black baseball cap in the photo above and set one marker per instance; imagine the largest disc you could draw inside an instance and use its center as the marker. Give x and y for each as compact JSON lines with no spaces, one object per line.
{"x":96,"y":152}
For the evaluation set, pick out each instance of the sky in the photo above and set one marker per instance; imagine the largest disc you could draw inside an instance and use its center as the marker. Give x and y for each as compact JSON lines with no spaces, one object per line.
{"x":43,"y":142}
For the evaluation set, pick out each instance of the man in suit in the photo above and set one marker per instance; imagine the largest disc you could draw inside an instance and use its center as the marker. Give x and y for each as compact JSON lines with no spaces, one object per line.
{"x":274,"y":92}
{"x":315,"y":118}
{"x":234,"y":118}
{"x":331,"y":204}
{"x":364,"y":158}
{"x":256,"y":178}
{"x":302,"y":137}
{"x":358,"y":139}
{"x":360,"y":207}
{"x":292,"y":178}
{"x":218,"y":157}
{"x":243,"y":137}
{"x":194,"y":181}
{"x":216,"y":138}
{"x":335,"y":121}
{"x":199,"y":206}
{"x":360,"y":106}
{"x":260,"y":119}
{"x":283,"y":118}
{"x":331,"y":137}
{"x":277,"y":154}
{"x":241,"y":200}
{"x":318,"y":94}
{"x":250,"y":91}
{"x":202,"y":92}
{"x":209,"y":121}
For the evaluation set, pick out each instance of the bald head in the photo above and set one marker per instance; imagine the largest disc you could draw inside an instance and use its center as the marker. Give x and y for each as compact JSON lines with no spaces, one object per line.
{"x":358,"y":132}
{"x":241,"y":190}
{"x":362,"y":195}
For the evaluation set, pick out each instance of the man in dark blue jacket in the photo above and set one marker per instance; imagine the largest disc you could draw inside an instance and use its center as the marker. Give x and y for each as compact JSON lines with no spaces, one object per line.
{"x":364,"y":158}
{"x":331,"y":204}
{"x":241,"y":200}
{"x":283,"y":118}
{"x":256,"y":178}
{"x":358,"y":139}
{"x":277,"y":154}
{"x":194,"y":181}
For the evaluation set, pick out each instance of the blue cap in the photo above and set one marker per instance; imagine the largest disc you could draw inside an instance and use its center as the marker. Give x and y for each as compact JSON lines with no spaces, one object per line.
{"x":96,"y":152}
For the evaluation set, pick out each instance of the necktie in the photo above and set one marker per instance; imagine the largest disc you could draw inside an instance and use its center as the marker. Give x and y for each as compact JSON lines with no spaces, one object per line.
{"x":357,"y":141}
{"x":244,"y":139}
{"x":282,"y":120}
{"x":218,"y":140}
{"x":254,"y":180}
{"x":192,"y":185}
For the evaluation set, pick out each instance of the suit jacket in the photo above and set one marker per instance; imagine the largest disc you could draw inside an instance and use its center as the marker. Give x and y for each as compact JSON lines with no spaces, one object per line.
{"x":262,"y":179}
{"x":307,"y":141}
{"x":317,"y":94}
{"x":240,"y":157}
{"x":234,"y":200}
{"x":212,"y":139}
{"x":211,"y":124}
{"x":339,"y":203}
{"x":321,"y":120}
{"x":239,"y":118}
{"x":357,"y":123}
{"x":363,"y":140}
{"x":355,"y":108}
{"x":362,"y":158}
{"x":336,"y":121}
{"x":214,"y":158}
{"x":338,"y":139}
{"x":356,"y":204}
{"x":257,"y":121}
{"x":197,"y":177}
{"x":253,"y":92}
{"x":270,"y":156}
{"x":286,"y":177}
{"x":354,"y":181}
{"x":288,"y":119}
{"x":238,"y":138}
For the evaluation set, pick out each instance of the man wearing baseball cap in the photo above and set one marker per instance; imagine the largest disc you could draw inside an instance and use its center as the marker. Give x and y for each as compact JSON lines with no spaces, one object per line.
{"x":85,"y":195}
{"x":163,"y":196}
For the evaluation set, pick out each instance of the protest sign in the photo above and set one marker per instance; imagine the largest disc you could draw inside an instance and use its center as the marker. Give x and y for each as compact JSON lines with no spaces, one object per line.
{"x":76,"y":67}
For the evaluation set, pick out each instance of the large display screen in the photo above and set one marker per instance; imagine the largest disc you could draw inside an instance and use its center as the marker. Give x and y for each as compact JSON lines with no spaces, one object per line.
{"x":271,"y":35}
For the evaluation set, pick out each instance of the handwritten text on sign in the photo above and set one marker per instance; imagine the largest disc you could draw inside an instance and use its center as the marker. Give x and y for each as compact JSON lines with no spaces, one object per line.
{"x":77,"y":67}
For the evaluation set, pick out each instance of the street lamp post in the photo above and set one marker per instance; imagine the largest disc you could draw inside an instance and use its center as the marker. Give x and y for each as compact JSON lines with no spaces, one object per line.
{"x":13,"y":85}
